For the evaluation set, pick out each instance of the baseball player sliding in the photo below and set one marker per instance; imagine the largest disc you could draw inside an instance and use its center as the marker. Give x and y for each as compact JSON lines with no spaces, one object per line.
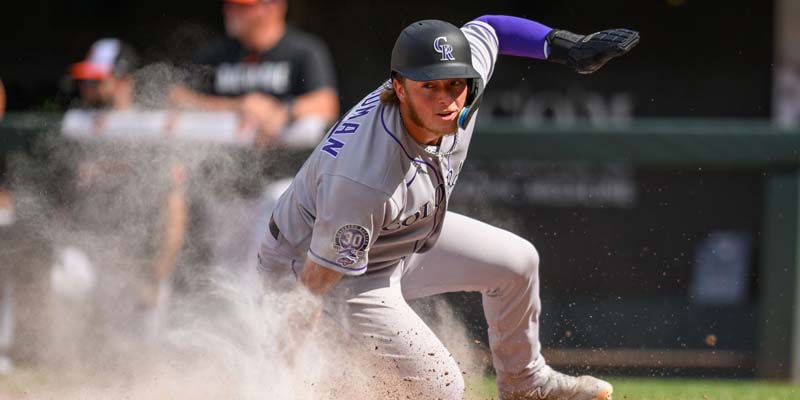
{"x":364,"y":225}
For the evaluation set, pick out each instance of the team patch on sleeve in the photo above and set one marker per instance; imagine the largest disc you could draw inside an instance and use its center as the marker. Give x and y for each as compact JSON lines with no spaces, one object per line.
{"x":350,"y":242}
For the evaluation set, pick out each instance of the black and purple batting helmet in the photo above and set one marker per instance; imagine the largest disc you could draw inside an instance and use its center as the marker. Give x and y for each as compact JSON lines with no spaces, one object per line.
{"x":433,"y":49}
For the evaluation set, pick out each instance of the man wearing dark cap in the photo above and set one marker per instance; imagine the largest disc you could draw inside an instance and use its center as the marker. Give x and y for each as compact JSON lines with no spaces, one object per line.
{"x":281,"y":82}
{"x":130,"y":204}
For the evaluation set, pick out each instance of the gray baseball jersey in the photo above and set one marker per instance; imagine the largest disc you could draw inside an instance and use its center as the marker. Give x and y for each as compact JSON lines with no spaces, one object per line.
{"x":369,"y":195}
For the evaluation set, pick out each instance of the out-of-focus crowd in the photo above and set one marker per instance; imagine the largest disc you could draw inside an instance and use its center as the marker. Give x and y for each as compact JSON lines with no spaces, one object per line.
{"x":132,"y":217}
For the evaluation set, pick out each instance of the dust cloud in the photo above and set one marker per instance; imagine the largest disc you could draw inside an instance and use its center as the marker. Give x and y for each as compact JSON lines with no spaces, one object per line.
{"x":90,"y":225}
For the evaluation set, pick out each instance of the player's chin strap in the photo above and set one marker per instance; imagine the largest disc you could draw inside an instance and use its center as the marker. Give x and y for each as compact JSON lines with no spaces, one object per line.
{"x":476,"y":95}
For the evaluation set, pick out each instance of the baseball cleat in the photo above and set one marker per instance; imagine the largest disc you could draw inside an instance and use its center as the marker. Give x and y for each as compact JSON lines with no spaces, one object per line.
{"x":553,"y":385}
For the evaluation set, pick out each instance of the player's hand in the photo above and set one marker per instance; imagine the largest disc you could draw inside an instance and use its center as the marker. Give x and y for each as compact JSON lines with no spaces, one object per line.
{"x":266,"y":113}
{"x":299,"y":327}
{"x":301,"y":319}
{"x":6,"y":199}
{"x":587,"y":54}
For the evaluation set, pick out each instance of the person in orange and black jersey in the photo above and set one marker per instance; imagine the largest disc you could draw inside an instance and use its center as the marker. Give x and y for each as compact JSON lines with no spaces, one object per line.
{"x":130,"y":202}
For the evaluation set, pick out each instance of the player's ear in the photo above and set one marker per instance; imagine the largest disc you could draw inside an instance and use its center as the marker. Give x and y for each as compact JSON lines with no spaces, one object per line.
{"x":399,"y":89}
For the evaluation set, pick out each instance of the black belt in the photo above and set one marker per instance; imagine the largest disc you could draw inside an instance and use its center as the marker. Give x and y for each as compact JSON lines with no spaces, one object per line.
{"x":273,"y":228}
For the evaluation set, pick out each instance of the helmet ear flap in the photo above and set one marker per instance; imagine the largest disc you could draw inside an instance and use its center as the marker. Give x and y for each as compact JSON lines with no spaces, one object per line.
{"x":471,"y":90}
{"x":474,"y":95}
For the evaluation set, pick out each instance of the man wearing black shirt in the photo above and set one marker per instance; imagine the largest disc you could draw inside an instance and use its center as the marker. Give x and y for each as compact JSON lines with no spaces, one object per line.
{"x":279,"y":79}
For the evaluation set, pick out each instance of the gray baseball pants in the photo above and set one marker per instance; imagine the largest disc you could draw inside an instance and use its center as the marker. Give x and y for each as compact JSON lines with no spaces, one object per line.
{"x":469,"y":256}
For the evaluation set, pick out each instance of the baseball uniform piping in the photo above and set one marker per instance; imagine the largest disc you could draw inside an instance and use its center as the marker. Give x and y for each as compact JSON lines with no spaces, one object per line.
{"x":412,"y":179}
{"x":418,"y":161}
{"x":439,"y":180}
{"x":337,"y":265}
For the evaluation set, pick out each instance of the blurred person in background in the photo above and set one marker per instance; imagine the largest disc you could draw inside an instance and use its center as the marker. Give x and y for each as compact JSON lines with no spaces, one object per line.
{"x":2,"y":100}
{"x":24,"y":257}
{"x":129,"y":201}
{"x":270,"y":73}
{"x":7,"y":275}
{"x":104,"y":79}
{"x":281,"y":81}
{"x":15,"y":247}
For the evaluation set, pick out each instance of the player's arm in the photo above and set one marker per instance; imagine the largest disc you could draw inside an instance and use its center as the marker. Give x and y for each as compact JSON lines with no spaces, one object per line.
{"x":318,"y":279}
{"x":318,"y":96}
{"x":348,"y":218}
{"x":307,"y":118}
{"x":322,"y":103}
{"x":271,"y":116}
{"x":584,"y":53}
{"x":261,"y":111}
{"x":306,"y":310}
{"x":313,"y":111}
{"x":173,"y":225}
{"x":348,"y":215}
{"x":183,"y":97}
{"x":298,"y":123}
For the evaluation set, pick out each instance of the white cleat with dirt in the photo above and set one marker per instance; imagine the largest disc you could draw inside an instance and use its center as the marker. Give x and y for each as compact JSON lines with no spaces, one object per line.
{"x":553,"y":385}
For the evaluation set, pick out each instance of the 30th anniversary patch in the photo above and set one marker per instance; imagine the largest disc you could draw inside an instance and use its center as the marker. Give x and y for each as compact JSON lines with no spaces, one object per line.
{"x":350,"y":242}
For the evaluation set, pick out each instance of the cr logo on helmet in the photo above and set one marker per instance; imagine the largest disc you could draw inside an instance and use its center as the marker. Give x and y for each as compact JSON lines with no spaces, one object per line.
{"x":444,"y":49}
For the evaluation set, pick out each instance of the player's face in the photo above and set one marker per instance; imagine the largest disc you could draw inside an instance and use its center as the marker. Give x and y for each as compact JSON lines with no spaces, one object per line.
{"x":434,"y":105}
{"x":97,"y":94}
